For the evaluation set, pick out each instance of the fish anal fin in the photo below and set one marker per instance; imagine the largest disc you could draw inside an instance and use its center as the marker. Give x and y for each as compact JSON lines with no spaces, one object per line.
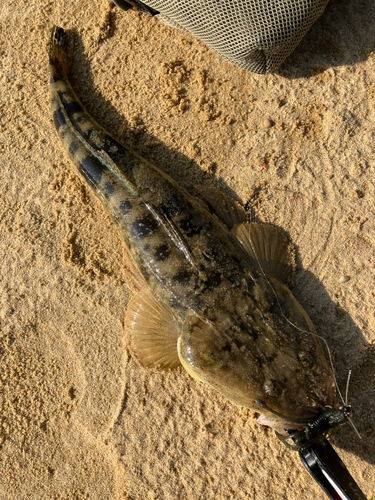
{"x":266,"y":248}
{"x":225,"y":208}
{"x":152,"y":332}
{"x":134,"y":279}
{"x":197,"y":346}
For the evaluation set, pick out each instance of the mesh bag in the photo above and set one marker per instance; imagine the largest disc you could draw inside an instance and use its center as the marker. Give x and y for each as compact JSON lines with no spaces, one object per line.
{"x":256,"y":35}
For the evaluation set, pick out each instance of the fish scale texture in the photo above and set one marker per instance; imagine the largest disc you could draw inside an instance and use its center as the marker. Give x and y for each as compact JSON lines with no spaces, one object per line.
{"x":256,"y":35}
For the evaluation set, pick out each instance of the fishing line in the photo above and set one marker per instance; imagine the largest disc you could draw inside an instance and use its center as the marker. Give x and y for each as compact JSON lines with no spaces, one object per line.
{"x":304,"y":331}
{"x":347,"y":387}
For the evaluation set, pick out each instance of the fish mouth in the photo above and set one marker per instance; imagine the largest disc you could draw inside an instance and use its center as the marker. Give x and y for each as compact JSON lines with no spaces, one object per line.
{"x":279,"y":425}
{"x":305,"y":434}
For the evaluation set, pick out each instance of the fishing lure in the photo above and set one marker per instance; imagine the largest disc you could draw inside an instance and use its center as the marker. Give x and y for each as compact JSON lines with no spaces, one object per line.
{"x":215,"y":298}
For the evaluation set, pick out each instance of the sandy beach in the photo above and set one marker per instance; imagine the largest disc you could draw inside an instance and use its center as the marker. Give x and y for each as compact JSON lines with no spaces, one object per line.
{"x":79,"y":418}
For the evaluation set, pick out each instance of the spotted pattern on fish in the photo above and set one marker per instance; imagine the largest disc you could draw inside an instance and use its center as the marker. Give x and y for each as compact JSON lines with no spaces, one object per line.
{"x":173,"y":224}
{"x":234,"y":334}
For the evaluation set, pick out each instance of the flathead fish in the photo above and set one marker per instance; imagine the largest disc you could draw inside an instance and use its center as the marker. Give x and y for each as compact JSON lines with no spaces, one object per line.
{"x":215,"y":298}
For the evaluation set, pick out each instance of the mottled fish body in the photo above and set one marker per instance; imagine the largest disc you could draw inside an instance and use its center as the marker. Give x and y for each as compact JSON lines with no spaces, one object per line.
{"x":214,"y":300}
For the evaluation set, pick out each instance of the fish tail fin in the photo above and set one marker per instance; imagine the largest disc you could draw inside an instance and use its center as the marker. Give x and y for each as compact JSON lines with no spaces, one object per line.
{"x":58,"y":50}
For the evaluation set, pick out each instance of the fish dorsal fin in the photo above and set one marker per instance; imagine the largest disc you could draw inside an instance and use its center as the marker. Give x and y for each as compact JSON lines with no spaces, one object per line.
{"x":152,"y":331}
{"x":273,"y":252}
{"x":225,"y":208}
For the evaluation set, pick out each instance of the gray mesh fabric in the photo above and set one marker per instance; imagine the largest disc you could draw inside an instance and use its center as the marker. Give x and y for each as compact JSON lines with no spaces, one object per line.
{"x":256,"y":35}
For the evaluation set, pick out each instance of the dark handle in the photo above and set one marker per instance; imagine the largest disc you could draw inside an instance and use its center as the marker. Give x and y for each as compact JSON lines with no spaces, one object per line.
{"x":326,"y":467}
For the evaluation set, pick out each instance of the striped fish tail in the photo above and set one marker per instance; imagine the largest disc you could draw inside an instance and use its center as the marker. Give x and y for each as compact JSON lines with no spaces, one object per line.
{"x":103,"y":163}
{"x":58,"y":52}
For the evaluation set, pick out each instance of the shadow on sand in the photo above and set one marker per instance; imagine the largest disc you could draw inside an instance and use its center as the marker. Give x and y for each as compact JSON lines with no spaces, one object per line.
{"x":343,"y":36}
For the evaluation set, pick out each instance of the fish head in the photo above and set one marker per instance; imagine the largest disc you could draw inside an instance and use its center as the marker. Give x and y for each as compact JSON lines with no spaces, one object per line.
{"x":268,"y":358}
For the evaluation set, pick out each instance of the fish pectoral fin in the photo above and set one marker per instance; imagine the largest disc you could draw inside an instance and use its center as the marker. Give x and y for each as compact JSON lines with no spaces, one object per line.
{"x":228,"y":211}
{"x":265,"y":247}
{"x":152,"y":331}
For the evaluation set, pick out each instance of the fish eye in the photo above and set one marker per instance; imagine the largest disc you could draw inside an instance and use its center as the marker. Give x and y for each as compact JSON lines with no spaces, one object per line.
{"x":272,"y":388}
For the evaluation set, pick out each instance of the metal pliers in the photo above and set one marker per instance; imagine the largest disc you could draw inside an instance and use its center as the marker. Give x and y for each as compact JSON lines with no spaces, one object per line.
{"x":326,"y":467}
